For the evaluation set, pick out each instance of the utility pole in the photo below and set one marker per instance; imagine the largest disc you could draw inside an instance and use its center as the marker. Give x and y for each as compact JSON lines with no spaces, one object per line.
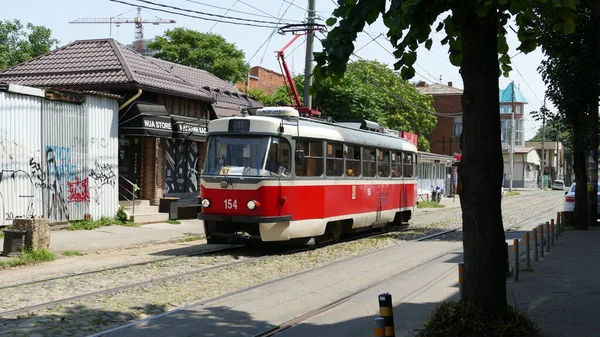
{"x":512,"y":138}
{"x":309,"y":53}
{"x":543,"y":110}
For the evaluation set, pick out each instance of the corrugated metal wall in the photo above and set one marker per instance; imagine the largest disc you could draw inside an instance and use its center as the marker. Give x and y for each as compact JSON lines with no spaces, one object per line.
{"x":64,"y":142}
{"x":57,"y":160}
{"x":103,"y":150}
{"x":20,"y":155}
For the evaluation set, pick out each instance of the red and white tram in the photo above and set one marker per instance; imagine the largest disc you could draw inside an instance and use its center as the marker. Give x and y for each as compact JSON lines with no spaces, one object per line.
{"x":275,"y":176}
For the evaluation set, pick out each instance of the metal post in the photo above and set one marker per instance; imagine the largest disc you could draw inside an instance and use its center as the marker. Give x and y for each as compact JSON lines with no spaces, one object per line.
{"x":516,"y":266}
{"x":461,"y":278}
{"x":547,"y":229}
{"x":541,"y":240}
{"x":558,"y":221}
{"x":379,"y":327}
{"x":309,"y":53}
{"x":543,"y":139}
{"x":527,"y":257}
{"x":535,"y":245}
{"x":512,"y":138}
{"x":552,"y":232}
{"x":386,"y":311}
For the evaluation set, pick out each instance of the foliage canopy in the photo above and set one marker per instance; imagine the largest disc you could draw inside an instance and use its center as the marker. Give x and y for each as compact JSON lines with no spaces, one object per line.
{"x":20,"y":43}
{"x":206,"y":51}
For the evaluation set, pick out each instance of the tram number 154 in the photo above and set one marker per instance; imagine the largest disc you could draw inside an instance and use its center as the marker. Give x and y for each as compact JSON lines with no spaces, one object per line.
{"x":230,"y":203}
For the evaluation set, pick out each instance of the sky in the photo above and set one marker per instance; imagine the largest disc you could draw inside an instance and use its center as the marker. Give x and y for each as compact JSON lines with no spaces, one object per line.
{"x":260,"y":43}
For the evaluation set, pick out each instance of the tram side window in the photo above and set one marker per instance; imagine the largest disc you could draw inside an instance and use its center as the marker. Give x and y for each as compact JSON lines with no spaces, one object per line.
{"x":397,"y":164}
{"x":407,"y":158}
{"x":334,"y":165}
{"x":369,"y":168}
{"x":313,"y":158}
{"x":383,"y":163}
{"x":353,"y":161}
{"x":278,"y":158}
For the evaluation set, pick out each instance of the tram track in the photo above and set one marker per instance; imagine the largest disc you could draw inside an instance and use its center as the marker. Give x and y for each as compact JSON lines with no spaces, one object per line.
{"x":372,"y":233}
{"x":193,"y":272}
{"x":117,"y":267}
{"x":211,"y":300}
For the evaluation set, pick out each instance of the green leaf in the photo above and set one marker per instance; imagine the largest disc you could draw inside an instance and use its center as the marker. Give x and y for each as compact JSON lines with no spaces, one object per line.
{"x":456,"y":58}
{"x":331,"y":21}
{"x":569,"y":25}
{"x":440,"y":27}
{"x":428,"y":44}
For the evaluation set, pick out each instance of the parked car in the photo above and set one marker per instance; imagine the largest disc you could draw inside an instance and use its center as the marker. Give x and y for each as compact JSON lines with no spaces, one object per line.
{"x":558,"y":185}
{"x":569,"y":205}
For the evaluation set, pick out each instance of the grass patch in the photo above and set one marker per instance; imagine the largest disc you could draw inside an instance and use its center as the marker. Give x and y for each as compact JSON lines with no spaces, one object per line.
{"x":429,"y":204}
{"x":463,"y":319}
{"x":72,"y":253}
{"x":173,"y":222}
{"x":28,"y":257}
{"x":511,"y":194}
{"x":102,"y":222}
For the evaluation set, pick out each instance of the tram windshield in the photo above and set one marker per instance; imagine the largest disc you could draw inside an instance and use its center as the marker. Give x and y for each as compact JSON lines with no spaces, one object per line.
{"x":248,"y":156}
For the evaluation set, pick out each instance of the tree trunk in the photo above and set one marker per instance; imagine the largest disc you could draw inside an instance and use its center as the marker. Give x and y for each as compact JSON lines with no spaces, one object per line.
{"x":592,"y":199}
{"x":579,"y":166}
{"x":481,"y":167}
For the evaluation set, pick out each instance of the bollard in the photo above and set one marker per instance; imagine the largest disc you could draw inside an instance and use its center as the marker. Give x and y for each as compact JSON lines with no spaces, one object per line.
{"x":558,"y":221}
{"x":553,"y":230}
{"x":386,"y":311}
{"x":541,"y":240}
{"x":547,"y":229}
{"x":461,"y":278}
{"x":379,"y":327}
{"x":516,"y":266}
{"x":527,"y":257}
{"x":535,"y":245}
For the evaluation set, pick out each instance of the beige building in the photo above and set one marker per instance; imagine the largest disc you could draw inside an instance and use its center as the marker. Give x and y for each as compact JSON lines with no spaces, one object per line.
{"x":526,"y":166}
{"x":554,"y":164}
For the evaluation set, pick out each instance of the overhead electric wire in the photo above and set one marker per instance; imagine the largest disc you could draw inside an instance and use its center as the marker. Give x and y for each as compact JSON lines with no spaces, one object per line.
{"x":275,"y":30}
{"x":216,"y":23}
{"x":205,"y":13}
{"x":241,"y":12}
{"x":192,"y":16}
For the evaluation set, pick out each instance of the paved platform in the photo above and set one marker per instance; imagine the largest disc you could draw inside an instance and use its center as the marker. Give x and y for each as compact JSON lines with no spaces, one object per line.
{"x":114,"y":237}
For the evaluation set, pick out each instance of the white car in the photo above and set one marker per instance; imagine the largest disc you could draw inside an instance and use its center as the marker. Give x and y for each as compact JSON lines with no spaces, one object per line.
{"x":569,"y":205}
{"x":558,"y":185}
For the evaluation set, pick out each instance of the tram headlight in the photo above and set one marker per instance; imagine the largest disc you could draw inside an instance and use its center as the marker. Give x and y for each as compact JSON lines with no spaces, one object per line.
{"x":205,"y":203}
{"x":252,"y":204}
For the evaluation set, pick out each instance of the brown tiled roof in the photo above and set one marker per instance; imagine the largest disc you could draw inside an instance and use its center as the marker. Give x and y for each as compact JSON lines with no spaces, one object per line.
{"x":229,"y":99}
{"x":106,"y":63}
{"x":439,"y":89}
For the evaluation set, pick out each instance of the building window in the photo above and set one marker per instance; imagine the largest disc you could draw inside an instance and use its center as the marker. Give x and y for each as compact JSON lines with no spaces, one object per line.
{"x":518,"y":109}
{"x":457,"y":127}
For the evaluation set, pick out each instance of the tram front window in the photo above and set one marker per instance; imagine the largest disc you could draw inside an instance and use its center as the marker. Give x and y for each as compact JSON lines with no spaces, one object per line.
{"x":247,"y":156}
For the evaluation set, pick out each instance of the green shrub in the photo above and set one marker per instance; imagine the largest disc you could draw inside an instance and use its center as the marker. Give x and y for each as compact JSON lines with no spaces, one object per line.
{"x":463,"y":319}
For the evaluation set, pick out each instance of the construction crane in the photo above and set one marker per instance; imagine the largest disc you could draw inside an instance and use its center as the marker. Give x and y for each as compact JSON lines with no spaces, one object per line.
{"x":138,"y":21}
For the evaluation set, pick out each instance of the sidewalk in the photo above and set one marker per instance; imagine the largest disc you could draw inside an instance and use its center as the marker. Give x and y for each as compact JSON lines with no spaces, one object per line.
{"x":114,"y":237}
{"x":562,"y":294}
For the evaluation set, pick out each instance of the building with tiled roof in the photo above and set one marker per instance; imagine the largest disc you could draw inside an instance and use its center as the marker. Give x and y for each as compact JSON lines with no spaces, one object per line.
{"x":160,"y":100}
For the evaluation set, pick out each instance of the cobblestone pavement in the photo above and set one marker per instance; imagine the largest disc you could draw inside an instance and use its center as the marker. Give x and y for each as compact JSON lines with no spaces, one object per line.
{"x":98,"y":313}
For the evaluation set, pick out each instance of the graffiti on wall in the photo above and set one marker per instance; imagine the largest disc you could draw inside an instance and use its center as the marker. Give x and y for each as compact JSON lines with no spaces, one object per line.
{"x":48,"y":187}
{"x":102,"y":175}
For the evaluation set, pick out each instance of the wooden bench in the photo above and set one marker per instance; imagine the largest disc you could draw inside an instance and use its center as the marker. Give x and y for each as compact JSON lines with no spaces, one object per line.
{"x":182,"y":200}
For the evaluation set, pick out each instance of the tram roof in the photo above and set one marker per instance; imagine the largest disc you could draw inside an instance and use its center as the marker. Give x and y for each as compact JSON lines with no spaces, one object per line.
{"x":317,"y":129}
